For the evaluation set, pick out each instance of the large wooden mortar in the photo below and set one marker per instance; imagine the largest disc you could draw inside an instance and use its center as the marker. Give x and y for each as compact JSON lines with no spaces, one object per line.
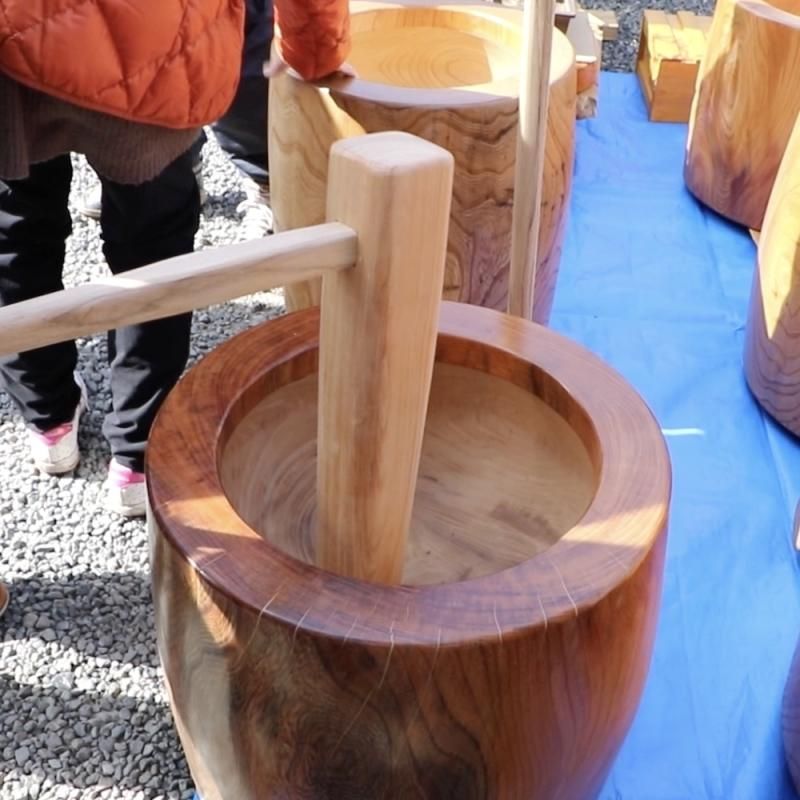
{"x":744,"y":107}
{"x":448,"y":74}
{"x":509,"y":662}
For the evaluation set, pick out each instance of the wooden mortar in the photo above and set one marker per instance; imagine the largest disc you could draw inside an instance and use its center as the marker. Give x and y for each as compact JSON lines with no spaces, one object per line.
{"x":744,"y":107}
{"x":448,"y":74}
{"x":772,"y":338}
{"x":509,"y":659}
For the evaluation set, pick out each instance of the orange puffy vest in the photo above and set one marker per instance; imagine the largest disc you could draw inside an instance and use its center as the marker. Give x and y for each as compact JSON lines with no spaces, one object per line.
{"x":174,"y":63}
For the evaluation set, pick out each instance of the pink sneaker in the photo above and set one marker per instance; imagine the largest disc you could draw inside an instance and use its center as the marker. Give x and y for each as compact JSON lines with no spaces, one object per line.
{"x":55,"y":451}
{"x":126,"y":490}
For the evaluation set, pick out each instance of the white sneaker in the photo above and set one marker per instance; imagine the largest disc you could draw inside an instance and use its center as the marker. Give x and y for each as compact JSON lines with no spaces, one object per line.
{"x":55,"y":451}
{"x":126,"y":490}
{"x":257,"y":221}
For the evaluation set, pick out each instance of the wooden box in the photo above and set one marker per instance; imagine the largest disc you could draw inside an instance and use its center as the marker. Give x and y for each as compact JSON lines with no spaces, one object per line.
{"x":670,"y":50}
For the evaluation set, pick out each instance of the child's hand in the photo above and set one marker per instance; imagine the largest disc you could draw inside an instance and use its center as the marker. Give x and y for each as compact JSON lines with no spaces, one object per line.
{"x":276,"y":66}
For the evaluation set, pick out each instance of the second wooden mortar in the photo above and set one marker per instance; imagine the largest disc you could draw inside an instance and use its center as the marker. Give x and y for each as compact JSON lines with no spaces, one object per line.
{"x":448,"y":74}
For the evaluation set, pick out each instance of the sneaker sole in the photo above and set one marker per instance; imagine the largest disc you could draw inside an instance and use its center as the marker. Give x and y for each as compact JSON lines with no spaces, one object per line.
{"x":127,"y":511}
{"x":58,"y":467}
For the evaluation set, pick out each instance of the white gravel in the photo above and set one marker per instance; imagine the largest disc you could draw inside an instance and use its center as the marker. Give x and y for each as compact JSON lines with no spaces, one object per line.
{"x":82,"y":709}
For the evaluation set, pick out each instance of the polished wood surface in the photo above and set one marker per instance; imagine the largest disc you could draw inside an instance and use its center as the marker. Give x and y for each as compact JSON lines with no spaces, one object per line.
{"x":772,"y":339}
{"x":519,"y":682}
{"x":744,"y":107}
{"x":176,"y":285}
{"x":476,"y":122}
{"x":534,"y":102}
{"x":377,"y":344}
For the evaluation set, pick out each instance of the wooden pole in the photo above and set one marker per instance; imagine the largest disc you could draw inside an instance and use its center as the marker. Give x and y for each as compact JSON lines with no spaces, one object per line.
{"x":176,"y":285}
{"x":533,"y":104}
{"x":377,"y":345}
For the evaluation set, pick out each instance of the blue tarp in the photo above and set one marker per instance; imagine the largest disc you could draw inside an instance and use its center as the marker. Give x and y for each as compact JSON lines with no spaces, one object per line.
{"x":658,"y":286}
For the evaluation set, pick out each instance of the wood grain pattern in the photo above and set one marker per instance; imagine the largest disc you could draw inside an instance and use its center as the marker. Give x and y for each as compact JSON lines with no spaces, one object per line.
{"x":176,"y":285}
{"x":534,"y":101}
{"x":377,"y":345}
{"x":477,"y":123}
{"x":744,"y":108}
{"x":772,"y":339}
{"x":518,"y":683}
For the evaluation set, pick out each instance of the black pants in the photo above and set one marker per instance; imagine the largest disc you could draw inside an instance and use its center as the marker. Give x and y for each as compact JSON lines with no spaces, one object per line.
{"x":242,"y":131}
{"x":140,"y":224}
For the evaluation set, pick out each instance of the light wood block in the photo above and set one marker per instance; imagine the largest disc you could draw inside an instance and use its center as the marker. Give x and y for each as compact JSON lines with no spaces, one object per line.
{"x":670,"y":50}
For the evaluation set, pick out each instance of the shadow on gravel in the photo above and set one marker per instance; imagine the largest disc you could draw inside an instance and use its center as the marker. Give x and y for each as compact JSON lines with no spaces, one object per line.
{"x":100,"y":615}
{"x":80,"y":724}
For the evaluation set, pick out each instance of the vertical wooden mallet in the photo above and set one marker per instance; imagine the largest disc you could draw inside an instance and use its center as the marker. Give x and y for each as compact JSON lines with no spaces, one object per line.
{"x":377,"y":346}
{"x":534,"y":92}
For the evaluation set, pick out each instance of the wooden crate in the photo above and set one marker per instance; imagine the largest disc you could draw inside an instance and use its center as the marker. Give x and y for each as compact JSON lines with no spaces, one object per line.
{"x":670,"y":50}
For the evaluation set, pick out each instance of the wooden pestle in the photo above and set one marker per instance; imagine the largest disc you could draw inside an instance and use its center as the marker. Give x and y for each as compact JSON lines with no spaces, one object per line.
{"x":389,"y":202}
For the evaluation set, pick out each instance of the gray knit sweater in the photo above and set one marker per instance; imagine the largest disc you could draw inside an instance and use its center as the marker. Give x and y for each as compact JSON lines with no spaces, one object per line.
{"x":36,"y":127}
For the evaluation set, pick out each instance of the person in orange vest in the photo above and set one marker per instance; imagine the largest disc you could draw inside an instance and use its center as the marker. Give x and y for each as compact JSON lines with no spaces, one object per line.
{"x":131,"y":91}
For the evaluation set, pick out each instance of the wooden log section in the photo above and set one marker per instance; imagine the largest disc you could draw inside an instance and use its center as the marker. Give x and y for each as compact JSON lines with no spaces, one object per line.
{"x":744,"y":108}
{"x":510,"y":661}
{"x":450,"y":75}
{"x":772,"y":340}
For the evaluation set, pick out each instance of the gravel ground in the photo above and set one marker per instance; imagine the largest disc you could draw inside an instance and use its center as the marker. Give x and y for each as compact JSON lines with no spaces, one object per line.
{"x":82,"y":709}
{"x":620,"y":55}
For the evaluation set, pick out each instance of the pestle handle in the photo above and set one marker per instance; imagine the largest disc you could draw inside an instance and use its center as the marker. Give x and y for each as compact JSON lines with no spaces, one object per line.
{"x":176,"y":285}
{"x":534,"y":97}
{"x":377,"y":347}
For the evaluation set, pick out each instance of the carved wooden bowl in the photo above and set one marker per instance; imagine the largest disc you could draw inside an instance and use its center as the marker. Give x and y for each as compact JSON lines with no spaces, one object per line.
{"x":744,"y":108}
{"x":448,"y":74}
{"x":510,"y":662}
